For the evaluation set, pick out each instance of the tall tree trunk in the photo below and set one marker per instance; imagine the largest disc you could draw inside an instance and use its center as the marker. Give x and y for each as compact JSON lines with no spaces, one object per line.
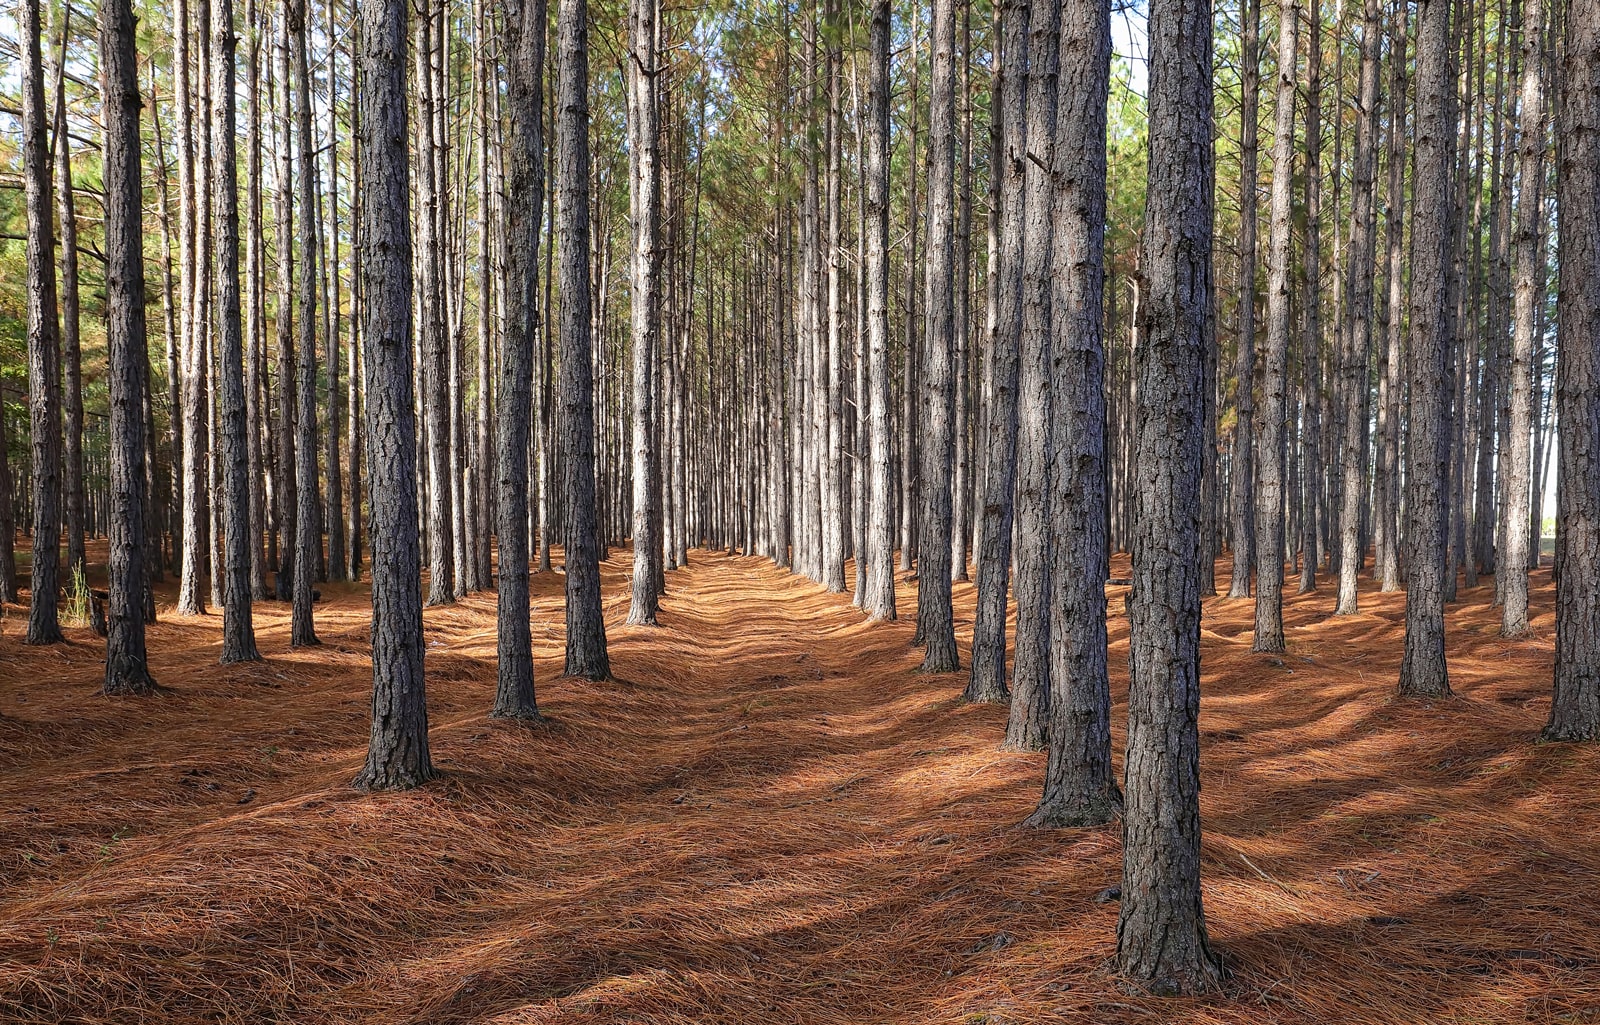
{"x":1386,"y":486}
{"x":44,"y":348}
{"x":831,"y":365}
{"x":1423,"y":672}
{"x":1575,"y":708}
{"x":880,"y":524}
{"x":1358,"y":314}
{"x":286,"y":491}
{"x":1030,"y":698}
{"x":1008,"y":90}
{"x":71,"y":350}
{"x":909,"y":428}
{"x":254,"y":309}
{"x":238,"y":634}
{"x":435,"y":343}
{"x":644,"y":181}
{"x":127,"y":669}
{"x":397,"y":753}
{"x":8,"y":519}
{"x":1080,"y":786}
{"x":1161,"y":933}
{"x":525,"y":29}
{"x":935,"y":619}
{"x":586,"y":628}
{"x":1311,"y":339}
{"x":1243,"y":472}
{"x":1273,"y":411}
{"x":308,"y":539}
{"x":1515,"y":541}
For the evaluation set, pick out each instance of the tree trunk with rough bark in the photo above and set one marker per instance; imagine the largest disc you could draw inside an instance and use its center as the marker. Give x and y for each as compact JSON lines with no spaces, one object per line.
{"x":644,"y":192}
{"x":1243,"y":472}
{"x":44,"y":347}
{"x":1422,"y":671}
{"x":586,"y":629}
{"x":1272,"y":414}
{"x":308,"y":539}
{"x":1080,"y":787}
{"x":397,"y":752}
{"x":127,"y":667}
{"x":1575,"y":707}
{"x":525,"y":31}
{"x":987,"y":681}
{"x":1161,"y":932}
{"x":238,"y":633}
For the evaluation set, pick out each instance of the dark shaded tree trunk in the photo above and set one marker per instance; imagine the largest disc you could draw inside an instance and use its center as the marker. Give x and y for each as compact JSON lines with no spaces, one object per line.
{"x":8,"y":520}
{"x":1161,"y":932}
{"x":1386,"y":483}
{"x":1575,"y":708}
{"x":308,"y":539}
{"x":525,"y":30}
{"x":127,"y":668}
{"x":586,"y":629}
{"x":238,"y":634}
{"x":44,"y":348}
{"x":285,"y":492}
{"x":397,"y":753}
{"x":1080,"y":787}
{"x":1423,"y":672}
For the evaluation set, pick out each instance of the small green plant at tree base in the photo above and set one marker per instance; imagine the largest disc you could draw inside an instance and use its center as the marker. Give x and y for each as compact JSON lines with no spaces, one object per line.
{"x":77,"y":610}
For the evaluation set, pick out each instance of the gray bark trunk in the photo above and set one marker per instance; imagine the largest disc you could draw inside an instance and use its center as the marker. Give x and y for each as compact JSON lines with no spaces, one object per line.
{"x":880,"y":603}
{"x":44,"y":348}
{"x":1575,"y":708}
{"x":238,"y":634}
{"x":586,"y":628}
{"x":1161,"y":933}
{"x":988,"y":678}
{"x":644,"y":181}
{"x":308,"y":539}
{"x":127,"y":669}
{"x":397,"y":753}
{"x":1273,"y":411}
{"x":1243,"y":472}
{"x":1422,"y":671}
{"x":1080,"y":787}
{"x":1515,"y":540}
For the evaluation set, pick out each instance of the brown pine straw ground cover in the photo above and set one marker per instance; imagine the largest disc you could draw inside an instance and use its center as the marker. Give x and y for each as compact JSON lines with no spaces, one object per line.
{"x":771,"y":817}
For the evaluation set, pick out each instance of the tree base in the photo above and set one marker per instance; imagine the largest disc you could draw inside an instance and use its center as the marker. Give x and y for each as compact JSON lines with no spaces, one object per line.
{"x":1076,"y":811}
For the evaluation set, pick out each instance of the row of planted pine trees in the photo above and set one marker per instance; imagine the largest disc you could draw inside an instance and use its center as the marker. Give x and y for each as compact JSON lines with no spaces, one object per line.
{"x":791,"y":377}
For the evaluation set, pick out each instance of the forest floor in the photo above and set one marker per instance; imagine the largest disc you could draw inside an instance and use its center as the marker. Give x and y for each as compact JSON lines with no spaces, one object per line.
{"x":771,"y":817}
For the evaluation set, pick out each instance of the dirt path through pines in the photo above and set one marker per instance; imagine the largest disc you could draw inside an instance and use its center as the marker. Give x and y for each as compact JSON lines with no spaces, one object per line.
{"x":770,"y":817}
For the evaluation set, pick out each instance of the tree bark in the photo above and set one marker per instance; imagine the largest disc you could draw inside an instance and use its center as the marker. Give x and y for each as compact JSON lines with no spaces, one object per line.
{"x":44,"y":348}
{"x":1273,"y":411}
{"x":987,"y":681}
{"x":586,"y":629}
{"x":1575,"y":708}
{"x":238,"y":634}
{"x":127,"y":669}
{"x":1515,"y":540}
{"x":1358,"y":315}
{"x":525,"y":30}
{"x":880,"y":603}
{"x":1161,"y":933}
{"x":308,"y":539}
{"x":71,"y":350}
{"x":644,"y":192}
{"x":1423,"y":672}
{"x":1243,"y":472}
{"x":397,"y":753}
{"x":1080,"y":786}
{"x":1030,"y":697}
